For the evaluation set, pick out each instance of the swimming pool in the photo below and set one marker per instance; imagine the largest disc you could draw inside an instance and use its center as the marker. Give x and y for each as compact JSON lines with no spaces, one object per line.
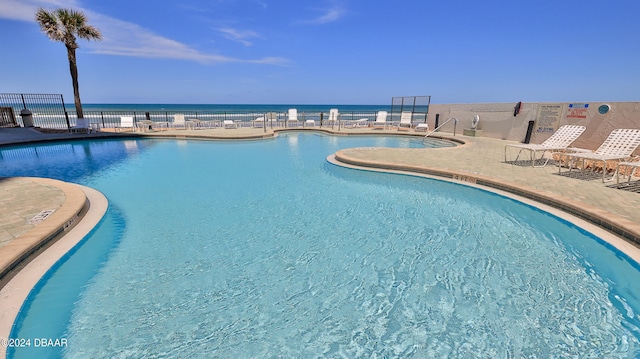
{"x":262,"y":248}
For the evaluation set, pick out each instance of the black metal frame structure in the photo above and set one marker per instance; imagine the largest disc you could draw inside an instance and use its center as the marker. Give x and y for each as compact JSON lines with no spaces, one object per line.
{"x":417,"y":105}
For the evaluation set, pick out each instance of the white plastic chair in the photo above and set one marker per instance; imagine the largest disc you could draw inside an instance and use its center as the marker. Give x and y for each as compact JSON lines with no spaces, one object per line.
{"x":405,"y":120}
{"x":381,"y":120}
{"x":558,"y":142}
{"x":125,"y":122}
{"x":178,"y":121}
{"x":619,"y":146}
{"x":82,"y":125}
{"x":334,"y":116}
{"x":292,"y":116}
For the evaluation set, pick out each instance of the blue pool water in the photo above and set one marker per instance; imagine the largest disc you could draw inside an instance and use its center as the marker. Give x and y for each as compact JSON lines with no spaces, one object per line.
{"x":263,"y":249}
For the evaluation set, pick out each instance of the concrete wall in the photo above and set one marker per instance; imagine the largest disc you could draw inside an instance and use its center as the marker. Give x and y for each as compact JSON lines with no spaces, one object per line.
{"x":497,"y":120}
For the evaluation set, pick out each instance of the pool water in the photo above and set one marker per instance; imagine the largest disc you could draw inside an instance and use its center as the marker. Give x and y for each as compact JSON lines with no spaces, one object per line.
{"x":264,"y":249}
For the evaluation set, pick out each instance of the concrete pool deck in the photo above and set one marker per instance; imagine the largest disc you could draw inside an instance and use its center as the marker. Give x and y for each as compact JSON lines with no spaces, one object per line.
{"x":57,"y":206}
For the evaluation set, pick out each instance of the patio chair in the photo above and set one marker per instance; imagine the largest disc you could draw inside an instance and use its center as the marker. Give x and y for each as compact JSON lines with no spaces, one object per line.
{"x":229,"y":124}
{"x":125,"y":122}
{"x":82,"y":125}
{"x":193,"y":124}
{"x":381,"y":120}
{"x":405,"y":120}
{"x":292,"y":116}
{"x":558,"y":142}
{"x":178,"y":121}
{"x":618,"y":147}
{"x":334,"y":116}
{"x":422,"y":127}
{"x":258,"y":122}
{"x":360,"y":123}
{"x":631,"y":166}
{"x":145,"y":125}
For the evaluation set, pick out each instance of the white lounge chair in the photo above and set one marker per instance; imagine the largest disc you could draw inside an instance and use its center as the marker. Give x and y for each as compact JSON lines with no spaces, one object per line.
{"x":334,"y":117}
{"x":631,"y":166}
{"x":558,"y":142}
{"x":193,"y":124}
{"x":125,"y":122}
{"x":360,"y":123}
{"x":229,"y":124}
{"x":619,"y":146}
{"x":258,"y":122}
{"x":292,"y":116}
{"x":82,"y":125}
{"x":144,"y":125}
{"x":178,"y":121}
{"x":405,"y":120}
{"x":381,"y":120}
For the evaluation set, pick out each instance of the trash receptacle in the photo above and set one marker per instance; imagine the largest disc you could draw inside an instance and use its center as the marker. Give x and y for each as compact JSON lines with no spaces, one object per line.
{"x":27,"y":118}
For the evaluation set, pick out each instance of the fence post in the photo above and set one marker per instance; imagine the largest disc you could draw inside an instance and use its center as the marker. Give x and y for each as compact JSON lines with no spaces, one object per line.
{"x":66,"y":117}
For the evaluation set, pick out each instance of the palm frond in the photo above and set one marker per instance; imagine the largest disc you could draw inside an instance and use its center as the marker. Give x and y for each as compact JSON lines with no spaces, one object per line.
{"x":88,"y":32}
{"x":49,"y":24}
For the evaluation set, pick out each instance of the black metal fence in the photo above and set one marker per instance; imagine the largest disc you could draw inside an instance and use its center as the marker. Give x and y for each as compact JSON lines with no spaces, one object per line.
{"x":48,"y":110}
{"x":112,"y":119}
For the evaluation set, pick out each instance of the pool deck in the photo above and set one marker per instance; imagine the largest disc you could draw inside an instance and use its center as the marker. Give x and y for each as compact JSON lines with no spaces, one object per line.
{"x":33,"y":210}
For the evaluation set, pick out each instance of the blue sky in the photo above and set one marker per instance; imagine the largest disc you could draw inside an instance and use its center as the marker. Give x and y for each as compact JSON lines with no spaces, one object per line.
{"x":331,"y":51}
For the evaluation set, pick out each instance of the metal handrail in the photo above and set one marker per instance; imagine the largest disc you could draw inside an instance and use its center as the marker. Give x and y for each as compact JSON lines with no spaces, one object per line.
{"x":455,"y":122}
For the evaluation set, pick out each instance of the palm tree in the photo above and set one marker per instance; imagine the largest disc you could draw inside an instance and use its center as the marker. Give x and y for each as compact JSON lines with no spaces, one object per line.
{"x":64,"y":25}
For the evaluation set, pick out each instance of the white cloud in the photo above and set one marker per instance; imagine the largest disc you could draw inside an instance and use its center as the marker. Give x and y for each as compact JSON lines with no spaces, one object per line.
{"x":25,"y":10}
{"x":122,"y":38}
{"x":329,"y":15}
{"x":239,"y":36}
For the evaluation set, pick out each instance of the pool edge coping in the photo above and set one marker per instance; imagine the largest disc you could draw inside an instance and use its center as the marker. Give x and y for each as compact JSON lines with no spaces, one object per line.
{"x":68,"y":230}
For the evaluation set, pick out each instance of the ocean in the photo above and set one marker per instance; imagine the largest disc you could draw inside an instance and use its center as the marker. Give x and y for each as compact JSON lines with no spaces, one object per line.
{"x":234,"y":108}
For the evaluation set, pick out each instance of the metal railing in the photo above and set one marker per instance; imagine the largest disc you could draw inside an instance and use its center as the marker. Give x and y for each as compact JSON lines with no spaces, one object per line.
{"x":43,"y":106}
{"x":49,"y":112}
{"x":111,"y":119}
{"x":455,"y":123}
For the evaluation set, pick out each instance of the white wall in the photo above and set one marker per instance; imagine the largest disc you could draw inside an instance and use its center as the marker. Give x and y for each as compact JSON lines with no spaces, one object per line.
{"x":497,"y":120}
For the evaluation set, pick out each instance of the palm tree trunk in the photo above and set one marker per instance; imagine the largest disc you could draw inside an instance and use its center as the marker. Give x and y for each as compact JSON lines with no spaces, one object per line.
{"x":73,"y":67}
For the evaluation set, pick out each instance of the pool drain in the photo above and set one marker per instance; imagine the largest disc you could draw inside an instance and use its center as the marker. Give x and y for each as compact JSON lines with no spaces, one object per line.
{"x":41,"y":216}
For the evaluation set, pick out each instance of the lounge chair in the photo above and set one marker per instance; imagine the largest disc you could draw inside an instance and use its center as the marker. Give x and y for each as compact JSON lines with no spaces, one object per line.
{"x":424,"y":127}
{"x":292,"y":116}
{"x":178,"y":121}
{"x":334,"y":116}
{"x":125,"y":122}
{"x":360,"y":123}
{"x":619,"y":146}
{"x":229,"y":124}
{"x":405,"y":120}
{"x":258,"y":122}
{"x":193,"y":124}
{"x":381,"y":120}
{"x":82,"y":125}
{"x":145,"y":125}
{"x":631,"y":166}
{"x":558,"y":142}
